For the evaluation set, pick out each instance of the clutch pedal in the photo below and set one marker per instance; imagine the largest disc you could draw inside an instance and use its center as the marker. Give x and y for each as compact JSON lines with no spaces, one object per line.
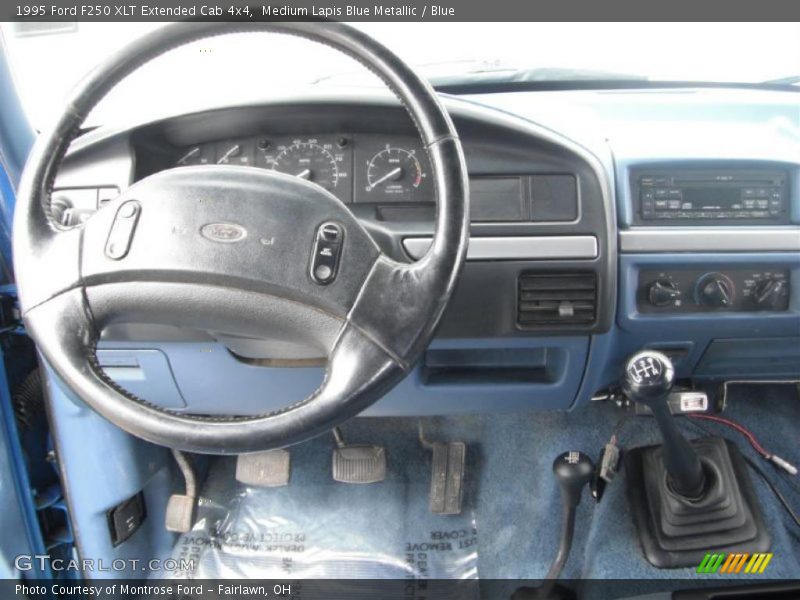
{"x":264,"y":469}
{"x":447,"y":475}
{"x":357,"y":463}
{"x":179,"y":516}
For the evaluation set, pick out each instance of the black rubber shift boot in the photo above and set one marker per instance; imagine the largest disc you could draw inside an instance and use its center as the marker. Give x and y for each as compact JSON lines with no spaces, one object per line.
{"x":678,"y":532}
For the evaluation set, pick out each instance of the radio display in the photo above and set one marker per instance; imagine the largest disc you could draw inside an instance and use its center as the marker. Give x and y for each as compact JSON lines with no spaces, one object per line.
{"x":711,"y":198}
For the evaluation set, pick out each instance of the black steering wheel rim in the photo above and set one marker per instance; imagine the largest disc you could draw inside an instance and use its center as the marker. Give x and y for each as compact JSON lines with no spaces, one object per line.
{"x":69,"y":290}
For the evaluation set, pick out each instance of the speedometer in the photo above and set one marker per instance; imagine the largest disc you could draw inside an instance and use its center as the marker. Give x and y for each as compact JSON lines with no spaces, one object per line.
{"x":308,"y":160}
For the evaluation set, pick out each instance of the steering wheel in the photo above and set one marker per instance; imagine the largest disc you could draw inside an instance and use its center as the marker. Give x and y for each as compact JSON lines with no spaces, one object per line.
{"x":189,"y":247}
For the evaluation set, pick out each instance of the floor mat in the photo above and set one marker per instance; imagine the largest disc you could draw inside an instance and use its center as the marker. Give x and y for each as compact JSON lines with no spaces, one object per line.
{"x":317,"y":528}
{"x":511,"y":524}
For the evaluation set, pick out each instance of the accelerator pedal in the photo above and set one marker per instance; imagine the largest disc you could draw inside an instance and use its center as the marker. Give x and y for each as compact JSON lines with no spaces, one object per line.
{"x":447,"y":475}
{"x":264,"y":469}
{"x":357,"y":463}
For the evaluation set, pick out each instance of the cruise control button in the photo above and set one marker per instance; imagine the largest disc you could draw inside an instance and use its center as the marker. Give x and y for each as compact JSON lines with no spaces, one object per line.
{"x":121,"y":234}
{"x":326,"y":253}
{"x":330,"y":232}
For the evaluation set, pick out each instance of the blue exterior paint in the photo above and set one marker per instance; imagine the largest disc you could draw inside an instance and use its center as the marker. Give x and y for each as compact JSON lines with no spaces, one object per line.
{"x":16,"y":134}
{"x":21,"y":532}
{"x":6,"y":220}
{"x":16,"y":488}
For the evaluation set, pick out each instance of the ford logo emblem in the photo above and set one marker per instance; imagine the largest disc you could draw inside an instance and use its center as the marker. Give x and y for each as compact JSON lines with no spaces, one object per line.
{"x":223,"y":232}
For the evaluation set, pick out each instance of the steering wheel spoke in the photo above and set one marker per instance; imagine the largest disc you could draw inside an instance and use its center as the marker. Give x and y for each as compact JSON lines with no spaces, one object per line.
{"x":232,"y":227}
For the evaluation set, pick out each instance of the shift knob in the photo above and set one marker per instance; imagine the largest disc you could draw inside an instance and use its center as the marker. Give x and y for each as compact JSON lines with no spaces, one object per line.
{"x":649,"y":376}
{"x":648,"y":379}
{"x":573,"y":470}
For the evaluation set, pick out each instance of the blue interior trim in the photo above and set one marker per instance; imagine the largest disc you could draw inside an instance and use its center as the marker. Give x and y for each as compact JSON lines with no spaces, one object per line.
{"x":212,"y":381}
{"x":106,"y":466}
{"x":697,"y":331}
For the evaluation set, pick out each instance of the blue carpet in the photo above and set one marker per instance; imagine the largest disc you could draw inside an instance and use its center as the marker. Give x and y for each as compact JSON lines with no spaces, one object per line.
{"x":511,"y":495}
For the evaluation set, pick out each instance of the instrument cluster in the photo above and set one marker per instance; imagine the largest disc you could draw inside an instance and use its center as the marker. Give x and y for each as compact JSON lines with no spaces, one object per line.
{"x":355,"y":168}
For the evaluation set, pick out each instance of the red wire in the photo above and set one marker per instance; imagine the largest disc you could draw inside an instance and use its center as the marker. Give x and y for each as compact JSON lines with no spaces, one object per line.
{"x":741,"y":429}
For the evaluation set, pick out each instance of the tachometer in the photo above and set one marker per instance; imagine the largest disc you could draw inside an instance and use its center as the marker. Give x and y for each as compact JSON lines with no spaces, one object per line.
{"x":307,"y":160}
{"x":394,"y":171}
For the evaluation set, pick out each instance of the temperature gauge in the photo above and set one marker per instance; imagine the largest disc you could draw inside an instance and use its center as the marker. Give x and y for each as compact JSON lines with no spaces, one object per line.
{"x":235,"y":153}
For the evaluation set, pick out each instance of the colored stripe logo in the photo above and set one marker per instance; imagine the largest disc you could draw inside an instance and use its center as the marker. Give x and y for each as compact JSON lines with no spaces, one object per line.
{"x":735,"y":564}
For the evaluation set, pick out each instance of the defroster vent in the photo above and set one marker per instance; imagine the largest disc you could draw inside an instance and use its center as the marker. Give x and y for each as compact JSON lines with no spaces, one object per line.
{"x":553,"y":299}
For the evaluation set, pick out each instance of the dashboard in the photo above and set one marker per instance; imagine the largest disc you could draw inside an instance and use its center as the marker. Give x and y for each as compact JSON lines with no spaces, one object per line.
{"x":601,"y":224}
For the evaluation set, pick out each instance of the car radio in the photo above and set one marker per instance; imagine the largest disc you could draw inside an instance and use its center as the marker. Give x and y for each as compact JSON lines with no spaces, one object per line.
{"x":724,"y":196}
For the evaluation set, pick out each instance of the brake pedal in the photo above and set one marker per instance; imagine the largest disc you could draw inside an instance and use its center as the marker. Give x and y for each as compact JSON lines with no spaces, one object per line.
{"x":447,"y":475}
{"x":264,"y":469}
{"x":360,"y":463}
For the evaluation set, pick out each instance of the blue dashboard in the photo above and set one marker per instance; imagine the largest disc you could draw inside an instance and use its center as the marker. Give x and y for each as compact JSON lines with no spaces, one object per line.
{"x":488,"y":355}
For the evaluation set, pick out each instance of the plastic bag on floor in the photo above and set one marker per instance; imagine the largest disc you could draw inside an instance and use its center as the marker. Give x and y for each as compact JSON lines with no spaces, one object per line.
{"x":327,"y":531}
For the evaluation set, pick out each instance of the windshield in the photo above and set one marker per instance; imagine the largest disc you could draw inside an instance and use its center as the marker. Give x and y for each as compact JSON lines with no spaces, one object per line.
{"x":49,"y":58}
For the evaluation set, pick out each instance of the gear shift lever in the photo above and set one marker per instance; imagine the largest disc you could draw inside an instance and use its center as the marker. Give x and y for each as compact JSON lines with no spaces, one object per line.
{"x":649,"y":377}
{"x":573,"y":470}
{"x":686,"y":497}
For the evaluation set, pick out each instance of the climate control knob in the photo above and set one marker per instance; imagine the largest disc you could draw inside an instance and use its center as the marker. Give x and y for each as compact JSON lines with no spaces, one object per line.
{"x":663,"y":292}
{"x":768,"y":293}
{"x":715,"y":290}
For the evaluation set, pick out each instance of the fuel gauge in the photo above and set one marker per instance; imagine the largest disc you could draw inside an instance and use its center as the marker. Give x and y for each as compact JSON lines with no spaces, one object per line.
{"x":199,"y":154}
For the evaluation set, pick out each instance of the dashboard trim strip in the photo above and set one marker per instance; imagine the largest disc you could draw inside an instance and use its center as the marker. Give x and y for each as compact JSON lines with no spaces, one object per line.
{"x":517,"y":247}
{"x":700,"y":239}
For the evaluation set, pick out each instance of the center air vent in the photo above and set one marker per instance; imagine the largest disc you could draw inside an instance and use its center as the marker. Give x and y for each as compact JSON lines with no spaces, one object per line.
{"x":553,"y":299}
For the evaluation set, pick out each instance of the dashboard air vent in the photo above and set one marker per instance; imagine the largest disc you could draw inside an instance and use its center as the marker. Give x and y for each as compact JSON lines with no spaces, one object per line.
{"x":553,"y":299}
